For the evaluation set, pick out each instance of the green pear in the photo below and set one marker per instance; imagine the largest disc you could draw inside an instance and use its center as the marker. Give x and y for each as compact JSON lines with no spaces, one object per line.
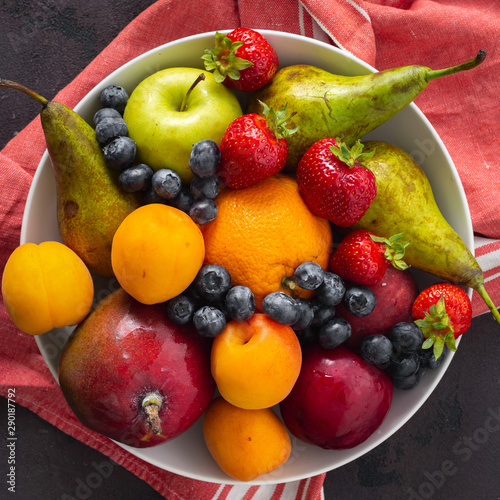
{"x":329,"y":105}
{"x":90,"y":204}
{"x":405,"y":203}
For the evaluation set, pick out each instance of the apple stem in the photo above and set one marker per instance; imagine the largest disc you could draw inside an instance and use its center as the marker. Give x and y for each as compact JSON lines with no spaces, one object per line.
{"x":200,"y":78}
{"x":151,"y":405}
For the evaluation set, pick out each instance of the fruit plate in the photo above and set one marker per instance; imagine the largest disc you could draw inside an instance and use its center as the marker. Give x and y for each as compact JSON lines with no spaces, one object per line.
{"x":410,"y":130}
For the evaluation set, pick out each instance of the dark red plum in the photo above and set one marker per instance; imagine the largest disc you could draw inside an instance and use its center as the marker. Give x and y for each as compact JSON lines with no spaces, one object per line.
{"x":395,"y":294}
{"x":338,"y":401}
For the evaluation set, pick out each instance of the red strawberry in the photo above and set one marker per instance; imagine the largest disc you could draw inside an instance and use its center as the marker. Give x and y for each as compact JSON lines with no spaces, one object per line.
{"x":443,"y":312}
{"x":334,"y":184}
{"x":362,"y":257}
{"x":253,"y":147}
{"x":242,"y":60}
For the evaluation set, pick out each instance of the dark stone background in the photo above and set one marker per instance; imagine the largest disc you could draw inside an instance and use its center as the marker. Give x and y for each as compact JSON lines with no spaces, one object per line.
{"x":443,"y":452}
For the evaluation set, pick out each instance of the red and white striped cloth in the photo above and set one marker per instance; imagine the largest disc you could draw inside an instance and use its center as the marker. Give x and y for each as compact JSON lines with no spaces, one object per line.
{"x":385,"y":33}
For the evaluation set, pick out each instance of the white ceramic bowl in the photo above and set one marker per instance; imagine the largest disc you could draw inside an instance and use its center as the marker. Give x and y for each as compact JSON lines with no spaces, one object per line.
{"x":410,"y":130}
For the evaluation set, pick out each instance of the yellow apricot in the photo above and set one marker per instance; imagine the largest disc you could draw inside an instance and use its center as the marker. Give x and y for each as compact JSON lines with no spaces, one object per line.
{"x":46,"y":286}
{"x":156,"y":253}
{"x":245,"y":443}
{"x":256,"y":363}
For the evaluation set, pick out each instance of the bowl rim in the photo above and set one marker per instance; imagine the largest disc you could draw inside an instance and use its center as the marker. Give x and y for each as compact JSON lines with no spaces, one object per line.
{"x":375,"y":440}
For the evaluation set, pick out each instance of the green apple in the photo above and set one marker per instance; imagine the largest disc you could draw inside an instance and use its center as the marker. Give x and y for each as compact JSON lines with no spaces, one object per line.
{"x":164,"y":132}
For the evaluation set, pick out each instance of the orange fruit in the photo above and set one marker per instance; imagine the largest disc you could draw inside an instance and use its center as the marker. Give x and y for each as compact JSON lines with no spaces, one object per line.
{"x":156,"y":253}
{"x":263,"y":232}
{"x":245,"y":443}
{"x":46,"y":286}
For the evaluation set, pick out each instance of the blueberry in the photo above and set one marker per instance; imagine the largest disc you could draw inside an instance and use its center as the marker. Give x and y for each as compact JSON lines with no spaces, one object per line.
{"x":213,"y":282}
{"x":136,"y":178}
{"x":360,"y":300}
{"x":120,"y":153}
{"x":204,"y":187}
{"x":105,"y":113}
{"x":240,"y":303}
{"x":151,"y":196}
{"x":205,"y":158}
{"x":166,"y":183}
{"x":404,"y":365}
{"x":309,"y":275}
{"x":110,"y":128}
{"x":209,"y":321}
{"x":428,"y":360}
{"x":221,"y":305}
{"x":192,"y":292}
{"x":306,"y":335}
{"x":203,"y":211}
{"x":322,"y":313}
{"x":334,"y":333}
{"x":406,"y":337}
{"x":281,"y":307}
{"x":377,"y":350}
{"x":115,"y":97}
{"x":306,"y":315}
{"x":332,"y":290}
{"x":406,"y":383}
{"x":181,"y":309}
{"x":183,"y":201}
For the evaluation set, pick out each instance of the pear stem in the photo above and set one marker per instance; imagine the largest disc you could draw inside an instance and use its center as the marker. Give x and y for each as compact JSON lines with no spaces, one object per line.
{"x":484,"y":295}
{"x":196,"y":82}
{"x":476,"y":61}
{"x":17,"y":86}
{"x":151,"y":405}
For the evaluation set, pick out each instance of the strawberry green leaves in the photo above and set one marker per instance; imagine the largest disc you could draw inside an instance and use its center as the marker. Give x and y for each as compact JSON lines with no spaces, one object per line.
{"x":437,"y":329}
{"x":351,"y":155}
{"x":443,"y":312}
{"x":242,"y":60}
{"x":394,"y":249}
{"x":276,"y":121}
{"x":222,"y":60}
